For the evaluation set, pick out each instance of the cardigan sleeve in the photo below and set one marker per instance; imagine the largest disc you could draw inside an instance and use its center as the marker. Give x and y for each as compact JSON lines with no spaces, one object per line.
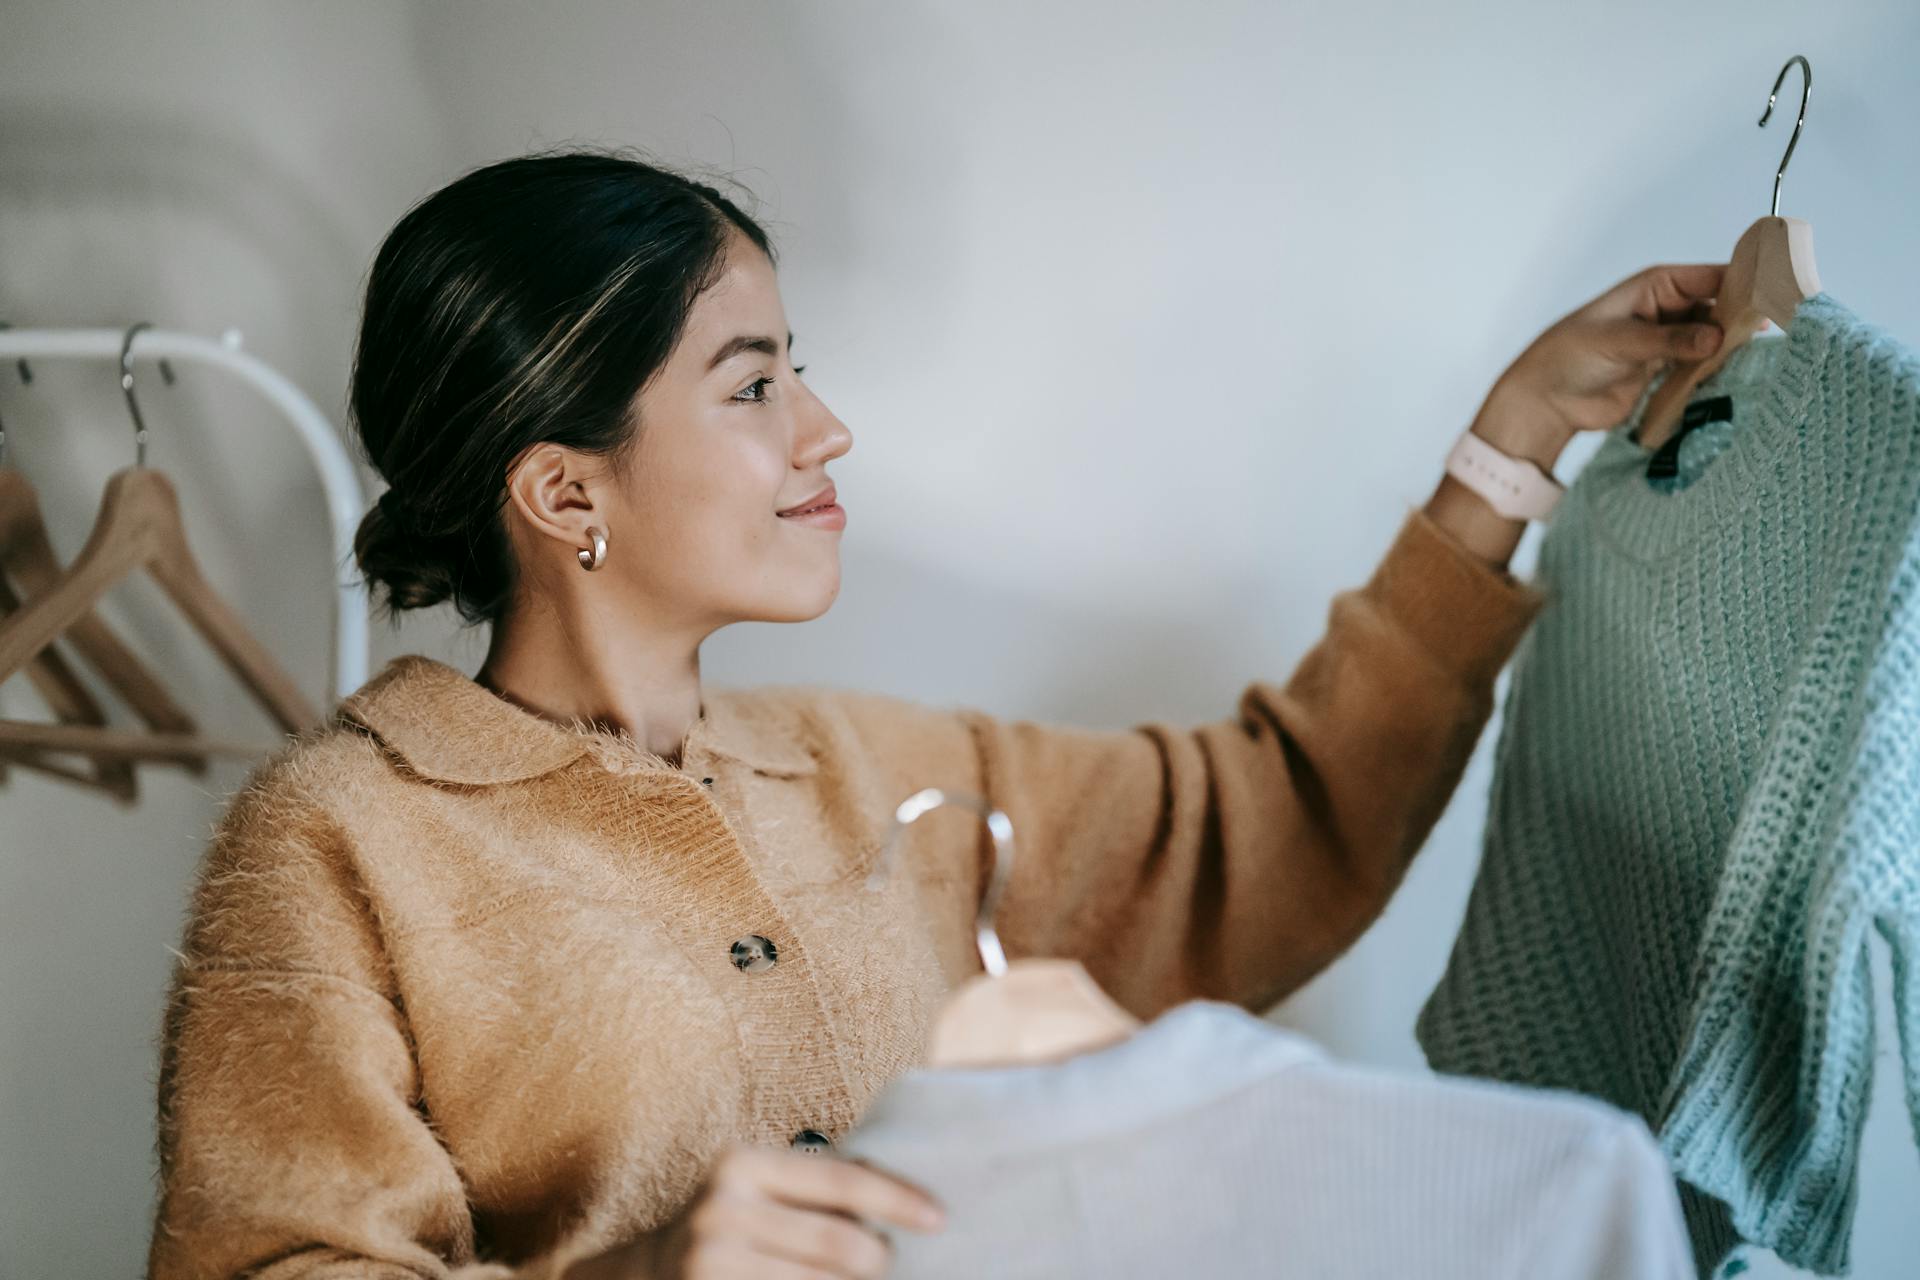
{"x":1235,"y":860}
{"x":292,"y":1140}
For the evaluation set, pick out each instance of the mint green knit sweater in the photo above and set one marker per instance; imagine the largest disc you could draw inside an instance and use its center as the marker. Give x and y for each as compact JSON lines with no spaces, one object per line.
{"x":1707,"y":791}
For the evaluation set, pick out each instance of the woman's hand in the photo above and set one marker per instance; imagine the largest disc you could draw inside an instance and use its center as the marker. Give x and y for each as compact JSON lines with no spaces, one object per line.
{"x":775,"y":1215}
{"x":1584,"y":373}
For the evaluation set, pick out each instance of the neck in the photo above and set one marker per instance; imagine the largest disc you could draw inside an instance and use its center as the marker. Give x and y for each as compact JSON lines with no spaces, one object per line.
{"x":570,"y":665}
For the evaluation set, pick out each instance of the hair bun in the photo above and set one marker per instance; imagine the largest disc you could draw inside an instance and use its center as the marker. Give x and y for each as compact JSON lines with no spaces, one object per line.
{"x":397,"y":512}
{"x":387,"y":548}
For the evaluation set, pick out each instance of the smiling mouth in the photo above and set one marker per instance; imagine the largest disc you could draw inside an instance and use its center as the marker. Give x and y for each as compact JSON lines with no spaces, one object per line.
{"x":825,"y":500}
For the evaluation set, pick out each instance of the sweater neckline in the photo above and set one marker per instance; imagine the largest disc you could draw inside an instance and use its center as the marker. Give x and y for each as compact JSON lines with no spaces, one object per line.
{"x":1189,"y":1055}
{"x":1772,"y":381}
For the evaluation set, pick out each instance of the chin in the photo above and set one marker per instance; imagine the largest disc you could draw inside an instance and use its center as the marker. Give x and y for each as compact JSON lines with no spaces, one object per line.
{"x":802,"y":604}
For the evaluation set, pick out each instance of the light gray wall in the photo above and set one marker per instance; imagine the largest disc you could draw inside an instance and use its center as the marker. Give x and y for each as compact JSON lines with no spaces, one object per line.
{"x":1150,"y":322}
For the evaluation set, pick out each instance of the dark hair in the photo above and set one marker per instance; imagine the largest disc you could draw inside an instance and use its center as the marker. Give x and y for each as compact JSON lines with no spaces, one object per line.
{"x":527,"y":301}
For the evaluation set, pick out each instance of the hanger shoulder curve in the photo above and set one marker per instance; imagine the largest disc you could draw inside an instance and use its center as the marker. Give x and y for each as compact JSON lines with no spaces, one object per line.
{"x":20,"y":737}
{"x":1769,"y":274}
{"x":1784,"y":271}
{"x":1037,"y":1011}
{"x":73,"y":704}
{"x":117,"y":545}
{"x":26,"y":553}
{"x":173,"y":566}
{"x":140,"y":525}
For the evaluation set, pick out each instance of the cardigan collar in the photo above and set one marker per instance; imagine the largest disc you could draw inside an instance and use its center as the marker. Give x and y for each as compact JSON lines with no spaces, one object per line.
{"x":447,"y":727}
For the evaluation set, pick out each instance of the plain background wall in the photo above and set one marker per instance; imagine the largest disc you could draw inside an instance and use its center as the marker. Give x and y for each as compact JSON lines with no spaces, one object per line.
{"x":1150,"y":322}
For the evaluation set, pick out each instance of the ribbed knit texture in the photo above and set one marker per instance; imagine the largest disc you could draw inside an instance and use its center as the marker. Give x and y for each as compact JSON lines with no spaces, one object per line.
{"x":1707,"y":790}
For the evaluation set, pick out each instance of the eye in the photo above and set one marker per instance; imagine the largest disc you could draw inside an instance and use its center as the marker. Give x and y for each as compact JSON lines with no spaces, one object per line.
{"x":758,"y":386}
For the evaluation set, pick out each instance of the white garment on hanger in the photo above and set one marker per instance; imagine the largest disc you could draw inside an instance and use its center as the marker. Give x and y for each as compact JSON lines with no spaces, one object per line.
{"x":1213,"y":1143}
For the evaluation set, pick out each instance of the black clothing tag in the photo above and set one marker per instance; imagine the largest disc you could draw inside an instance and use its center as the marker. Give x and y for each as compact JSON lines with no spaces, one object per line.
{"x":1665,"y":463}
{"x":1701,"y":412}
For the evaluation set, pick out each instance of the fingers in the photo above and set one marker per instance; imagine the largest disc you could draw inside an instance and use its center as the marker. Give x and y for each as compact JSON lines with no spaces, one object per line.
{"x":1635,"y":339}
{"x":842,"y":1185}
{"x":740,"y":1261}
{"x":1677,"y":288}
{"x":825,"y":1240}
{"x":1669,"y":291}
{"x":802,"y":1215}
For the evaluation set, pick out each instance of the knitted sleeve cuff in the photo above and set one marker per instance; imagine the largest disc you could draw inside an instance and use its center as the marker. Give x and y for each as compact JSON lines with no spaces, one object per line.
{"x":1466,"y":613}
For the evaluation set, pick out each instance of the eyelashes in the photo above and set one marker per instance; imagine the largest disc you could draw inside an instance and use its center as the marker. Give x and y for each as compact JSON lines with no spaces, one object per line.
{"x":761,"y":384}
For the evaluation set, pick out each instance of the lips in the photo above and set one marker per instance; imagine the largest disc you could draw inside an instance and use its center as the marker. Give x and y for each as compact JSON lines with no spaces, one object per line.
{"x":818,"y":502}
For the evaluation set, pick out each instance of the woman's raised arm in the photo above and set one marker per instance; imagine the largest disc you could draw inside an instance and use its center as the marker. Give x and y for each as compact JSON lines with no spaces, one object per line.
{"x":1235,"y":860}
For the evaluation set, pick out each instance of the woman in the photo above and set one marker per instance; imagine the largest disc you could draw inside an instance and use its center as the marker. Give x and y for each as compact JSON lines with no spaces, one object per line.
{"x":572,"y":968}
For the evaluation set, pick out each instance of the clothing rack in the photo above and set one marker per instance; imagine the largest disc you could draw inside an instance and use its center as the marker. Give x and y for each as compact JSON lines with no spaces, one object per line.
{"x":345,"y":500}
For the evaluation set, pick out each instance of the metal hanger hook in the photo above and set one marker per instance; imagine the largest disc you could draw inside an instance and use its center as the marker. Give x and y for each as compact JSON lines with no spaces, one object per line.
{"x":1806,"y":91}
{"x":26,"y":375}
{"x":993,"y":957}
{"x":126,"y":385}
{"x":26,"y":371}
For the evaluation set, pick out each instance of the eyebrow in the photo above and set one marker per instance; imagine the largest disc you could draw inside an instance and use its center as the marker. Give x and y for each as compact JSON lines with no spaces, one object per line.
{"x":747,"y":342}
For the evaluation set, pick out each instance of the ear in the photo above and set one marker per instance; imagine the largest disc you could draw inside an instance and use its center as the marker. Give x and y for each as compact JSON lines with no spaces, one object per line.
{"x":550,"y":488}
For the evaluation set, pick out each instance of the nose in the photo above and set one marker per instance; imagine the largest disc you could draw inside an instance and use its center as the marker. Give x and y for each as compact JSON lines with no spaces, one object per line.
{"x":822,"y":438}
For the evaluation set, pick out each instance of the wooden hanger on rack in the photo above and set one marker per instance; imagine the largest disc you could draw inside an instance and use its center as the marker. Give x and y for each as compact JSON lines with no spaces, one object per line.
{"x":139,"y":527}
{"x":22,"y":542}
{"x":28,"y":562}
{"x":1769,"y":274}
{"x":1021,"y":1013}
{"x":69,"y":700}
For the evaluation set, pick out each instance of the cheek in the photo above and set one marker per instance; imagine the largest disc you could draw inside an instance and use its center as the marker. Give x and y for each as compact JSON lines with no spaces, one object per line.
{"x":712,"y":515}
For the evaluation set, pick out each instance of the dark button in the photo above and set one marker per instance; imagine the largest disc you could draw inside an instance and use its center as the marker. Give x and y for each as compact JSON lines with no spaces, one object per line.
{"x":706,"y":782}
{"x":811,"y":1142}
{"x":753,"y":953}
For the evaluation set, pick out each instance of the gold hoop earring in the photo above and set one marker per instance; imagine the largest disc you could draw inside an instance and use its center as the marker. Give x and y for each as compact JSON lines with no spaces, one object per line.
{"x":591,"y":560}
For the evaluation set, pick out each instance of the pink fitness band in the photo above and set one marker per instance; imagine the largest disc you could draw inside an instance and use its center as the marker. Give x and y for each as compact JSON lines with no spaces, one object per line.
{"x":1517,"y":489}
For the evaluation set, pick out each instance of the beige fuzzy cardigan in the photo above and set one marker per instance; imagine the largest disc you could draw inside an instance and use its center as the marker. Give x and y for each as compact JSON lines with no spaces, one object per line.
{"x":459,"y":994}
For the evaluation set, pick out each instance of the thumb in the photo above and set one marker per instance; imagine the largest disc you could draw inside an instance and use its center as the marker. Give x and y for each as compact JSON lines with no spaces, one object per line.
{"x":1635,"y":339}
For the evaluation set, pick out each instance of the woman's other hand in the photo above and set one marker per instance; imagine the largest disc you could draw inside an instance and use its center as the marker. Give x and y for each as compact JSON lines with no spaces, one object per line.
{"x":1587,"y":370}
{"x":1584,"y":373}
{"x":775,"y":1215}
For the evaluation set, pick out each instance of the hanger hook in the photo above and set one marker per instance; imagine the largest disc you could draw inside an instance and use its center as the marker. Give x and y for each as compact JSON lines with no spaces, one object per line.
{"x":3,"y":426}
{"x":126,"y":385}
{"x":1806,"y":91}
{"x":993,"y":957}
{"x":26,"y":375}
{"x":26,"y":371}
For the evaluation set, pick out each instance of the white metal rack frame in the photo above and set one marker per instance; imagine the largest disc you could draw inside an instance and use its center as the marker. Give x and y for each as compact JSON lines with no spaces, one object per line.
{"x":345,"y":500}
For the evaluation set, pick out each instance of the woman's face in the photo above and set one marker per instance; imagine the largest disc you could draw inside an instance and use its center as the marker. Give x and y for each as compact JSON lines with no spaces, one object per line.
{"x":724,"y":511}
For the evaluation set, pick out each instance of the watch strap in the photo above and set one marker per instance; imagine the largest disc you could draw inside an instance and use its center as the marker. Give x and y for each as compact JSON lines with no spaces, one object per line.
{"x":1514,"y":487}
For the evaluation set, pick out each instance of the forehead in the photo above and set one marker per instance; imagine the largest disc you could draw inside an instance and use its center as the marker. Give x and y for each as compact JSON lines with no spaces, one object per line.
{"x":744,"y":298}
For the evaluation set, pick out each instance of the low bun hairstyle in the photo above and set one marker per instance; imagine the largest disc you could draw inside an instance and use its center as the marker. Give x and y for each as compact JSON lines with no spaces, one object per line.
{"x":527,"y":301}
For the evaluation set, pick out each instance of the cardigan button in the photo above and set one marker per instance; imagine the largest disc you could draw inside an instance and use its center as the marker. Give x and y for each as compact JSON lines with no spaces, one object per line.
{"x":753,"y":953}
{"x":811,"y":1142}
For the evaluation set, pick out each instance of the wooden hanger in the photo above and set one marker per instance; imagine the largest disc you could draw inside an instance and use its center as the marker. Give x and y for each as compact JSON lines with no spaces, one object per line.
{"x":140,"y":527}
{"x":28,"y":560}
{"x":23,"y":548}
{"x":69,"y":700}
{"x":1022,"y":1013}
{"x":1769,"y":274}
{"x":72,"y":703}
{"x":22,"y":541}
